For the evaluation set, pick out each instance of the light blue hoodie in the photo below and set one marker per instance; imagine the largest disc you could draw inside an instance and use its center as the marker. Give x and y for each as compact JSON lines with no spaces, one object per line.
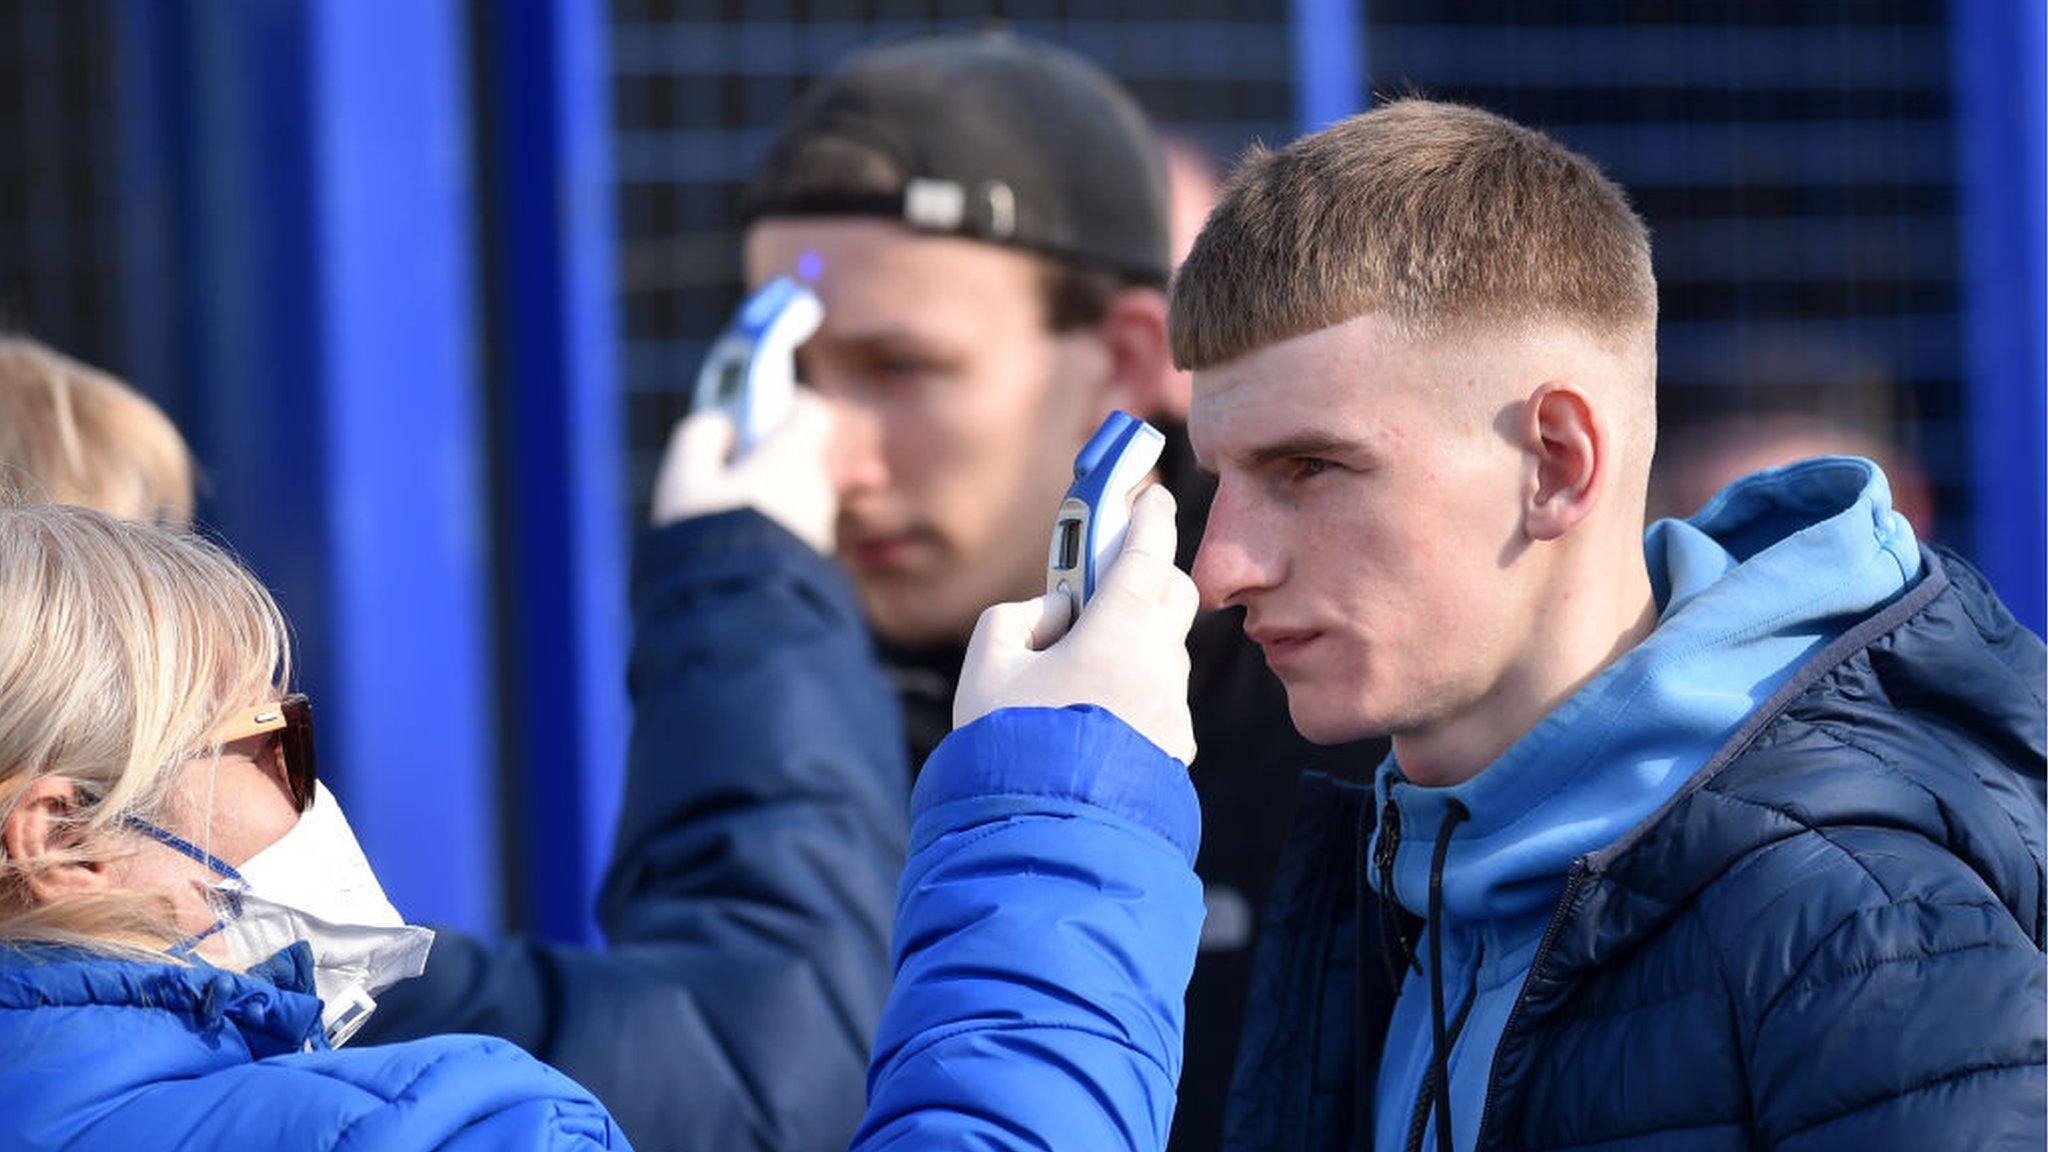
{"x":1765,"y":575}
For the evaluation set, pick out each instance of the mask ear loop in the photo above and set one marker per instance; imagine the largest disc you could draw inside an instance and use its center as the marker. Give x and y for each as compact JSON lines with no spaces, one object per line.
{"x":183,"y":846}
{"x":186,"y":949}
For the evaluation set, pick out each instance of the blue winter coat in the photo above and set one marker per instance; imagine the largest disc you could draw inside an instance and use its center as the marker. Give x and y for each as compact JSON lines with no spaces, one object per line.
{"x":1047,"y":927}
{"x":99,"y":1054}
{"x":754,"y":874}
{"x":1831,"y":938}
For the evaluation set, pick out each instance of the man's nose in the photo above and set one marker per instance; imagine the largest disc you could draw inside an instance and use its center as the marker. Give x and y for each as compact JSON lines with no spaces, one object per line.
{"x":854,"y":461}
{"x":1233,"y":560}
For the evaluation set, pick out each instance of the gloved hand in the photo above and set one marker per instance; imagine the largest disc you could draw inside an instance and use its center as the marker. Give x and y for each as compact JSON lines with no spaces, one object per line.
{"x":1127,"y":654}
{"x":783,"y":478}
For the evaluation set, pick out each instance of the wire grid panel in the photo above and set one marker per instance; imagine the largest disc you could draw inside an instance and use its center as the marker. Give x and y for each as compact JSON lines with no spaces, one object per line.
{"x":60,"y":254}
{"x":1796,"y":164}
{"x":698,"y":87}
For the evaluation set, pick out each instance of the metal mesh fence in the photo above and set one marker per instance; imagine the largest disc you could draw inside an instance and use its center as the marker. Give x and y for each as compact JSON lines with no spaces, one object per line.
{"x":1796,"y":163}
{"x":60,"y":254}
{"x":698,"y":87}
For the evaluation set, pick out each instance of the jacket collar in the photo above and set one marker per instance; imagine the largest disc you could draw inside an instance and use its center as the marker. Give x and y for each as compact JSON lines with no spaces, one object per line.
{"x":271,"y":1007}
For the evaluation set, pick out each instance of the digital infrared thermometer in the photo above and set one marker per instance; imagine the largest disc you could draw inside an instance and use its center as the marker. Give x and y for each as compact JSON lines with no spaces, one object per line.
{"x":1089,"y":530}
{"x":750,"y":374}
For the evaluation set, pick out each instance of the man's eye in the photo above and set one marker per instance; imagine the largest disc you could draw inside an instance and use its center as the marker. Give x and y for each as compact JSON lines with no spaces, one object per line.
{"x":1303,"y":467}
{"x":903,"y":367}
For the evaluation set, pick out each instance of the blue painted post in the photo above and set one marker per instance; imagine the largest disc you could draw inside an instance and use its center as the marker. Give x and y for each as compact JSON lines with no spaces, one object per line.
{"x":1329,"y":61}
{"x":314,"y":321}
{"x":560,"y":426}
{"x":1999,"y":129}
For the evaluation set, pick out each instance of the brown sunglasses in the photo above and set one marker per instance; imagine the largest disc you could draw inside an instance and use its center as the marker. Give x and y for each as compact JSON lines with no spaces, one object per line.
{"x":293,"y":717}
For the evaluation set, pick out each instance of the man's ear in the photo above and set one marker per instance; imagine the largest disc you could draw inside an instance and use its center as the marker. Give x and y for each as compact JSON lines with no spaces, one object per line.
{"x":1569,"y":445}
{"x":41,"y":832}
{"x":1140,"y":368}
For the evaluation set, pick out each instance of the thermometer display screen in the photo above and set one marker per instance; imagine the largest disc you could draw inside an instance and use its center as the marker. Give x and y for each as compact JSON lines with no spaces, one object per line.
{"x":1070,"y":544}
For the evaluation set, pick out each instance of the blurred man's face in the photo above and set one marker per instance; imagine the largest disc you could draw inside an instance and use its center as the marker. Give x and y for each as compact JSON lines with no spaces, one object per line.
{"x":958,"y":413}
{"x":1367,"y":513}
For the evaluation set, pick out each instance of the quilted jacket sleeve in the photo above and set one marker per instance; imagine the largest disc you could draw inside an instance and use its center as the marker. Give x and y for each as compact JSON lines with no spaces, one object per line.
{"x":1045,"y":930}
{"x":750,"y":891}
{"x":1915,"y":1017}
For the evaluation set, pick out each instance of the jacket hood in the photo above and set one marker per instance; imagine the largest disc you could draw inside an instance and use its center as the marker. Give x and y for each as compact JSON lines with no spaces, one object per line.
{"x":1768,"y":573}
{"x":1944,"y":691}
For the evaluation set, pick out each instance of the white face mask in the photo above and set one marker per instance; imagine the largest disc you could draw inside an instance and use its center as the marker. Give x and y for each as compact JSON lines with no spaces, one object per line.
{"x":314,"y":885}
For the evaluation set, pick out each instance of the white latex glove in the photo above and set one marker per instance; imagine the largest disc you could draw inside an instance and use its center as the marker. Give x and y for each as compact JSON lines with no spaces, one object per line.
{"x":783,"y":478}
{"x":1127,"y":654}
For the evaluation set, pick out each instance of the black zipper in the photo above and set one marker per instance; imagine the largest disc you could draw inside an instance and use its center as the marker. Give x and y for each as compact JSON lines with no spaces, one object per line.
{"x":1418,"y":1119}
{"x":1395,"y":951}
{"x":1550,"y":934}
{"x":1383,"y":850}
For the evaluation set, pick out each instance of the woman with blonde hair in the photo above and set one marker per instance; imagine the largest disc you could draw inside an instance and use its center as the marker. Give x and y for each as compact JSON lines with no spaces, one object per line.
{"x":187,"y":927}
{"x":189,"y":931}
{"x":72,"y":434}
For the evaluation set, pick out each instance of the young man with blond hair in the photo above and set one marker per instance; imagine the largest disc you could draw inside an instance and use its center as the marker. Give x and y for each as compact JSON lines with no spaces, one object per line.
{"x":1727,"y":836}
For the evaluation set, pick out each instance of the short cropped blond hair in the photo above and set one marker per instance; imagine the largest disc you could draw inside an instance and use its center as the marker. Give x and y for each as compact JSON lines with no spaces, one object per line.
{"x":72,"y":434}
{"x":124,"y":645}
{"x":1433,"y":214}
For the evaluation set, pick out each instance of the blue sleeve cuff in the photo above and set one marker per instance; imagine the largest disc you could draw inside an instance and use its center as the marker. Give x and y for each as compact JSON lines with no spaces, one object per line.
{"x":1017,"y":759}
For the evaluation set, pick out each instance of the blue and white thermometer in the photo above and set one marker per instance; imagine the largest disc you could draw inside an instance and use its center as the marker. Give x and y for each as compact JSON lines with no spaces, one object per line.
{"x":750,"y":374}
{"x":1096,"y":514}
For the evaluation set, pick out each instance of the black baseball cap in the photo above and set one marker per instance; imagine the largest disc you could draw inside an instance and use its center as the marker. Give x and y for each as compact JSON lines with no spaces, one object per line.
{"x":988,"y":135}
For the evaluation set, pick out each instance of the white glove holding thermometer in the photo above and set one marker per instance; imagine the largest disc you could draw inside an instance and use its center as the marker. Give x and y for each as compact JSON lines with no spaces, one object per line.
{"x":783,"y":477}
{"x":1128,"y":653}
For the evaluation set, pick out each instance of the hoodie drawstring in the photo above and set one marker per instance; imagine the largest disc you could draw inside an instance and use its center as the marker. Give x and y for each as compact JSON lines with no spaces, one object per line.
{"x":1455,"y":813}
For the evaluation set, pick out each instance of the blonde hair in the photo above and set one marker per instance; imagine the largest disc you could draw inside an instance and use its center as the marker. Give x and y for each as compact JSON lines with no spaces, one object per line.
{"x":1433,"y":214}
{"x":123,"y":645}
{"x":72,"y":434}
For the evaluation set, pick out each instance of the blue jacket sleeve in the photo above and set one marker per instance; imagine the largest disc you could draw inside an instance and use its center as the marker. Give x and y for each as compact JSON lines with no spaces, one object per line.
{"x":748,"y":900}
{"x":1045,"y":931}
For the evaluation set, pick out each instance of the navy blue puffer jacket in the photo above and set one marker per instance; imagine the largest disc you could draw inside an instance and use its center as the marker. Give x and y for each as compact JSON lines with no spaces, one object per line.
{"x":1831,"y":938}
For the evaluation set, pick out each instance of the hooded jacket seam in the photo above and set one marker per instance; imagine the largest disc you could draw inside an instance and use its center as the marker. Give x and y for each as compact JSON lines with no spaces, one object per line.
{"x":1980,"y":635}
{"x":1745,"y":1045}
{"x":1873,"y":965}
{"x":1833,"y":730}
{"x":1612,"y":1012}
{"x":1636,"y":1134}
{"x":1797,"y":977}
{"x":1809,"y":828}
{"x":1925,"y":1085}
{"x":1821,"y":940}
